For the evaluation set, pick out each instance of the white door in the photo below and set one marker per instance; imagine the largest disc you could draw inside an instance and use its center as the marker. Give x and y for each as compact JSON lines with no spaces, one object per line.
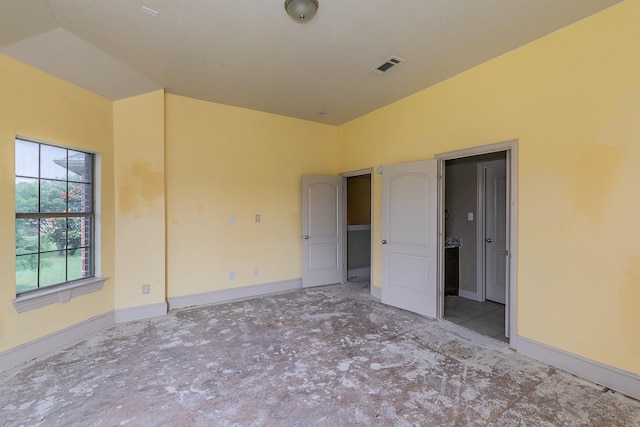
{"x":322,"y":228}
{"x":495,"y":231}
{"x":409,"y":236}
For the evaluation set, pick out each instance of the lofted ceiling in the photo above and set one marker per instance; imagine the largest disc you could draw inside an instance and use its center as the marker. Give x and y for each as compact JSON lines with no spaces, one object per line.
{"x":249,"y":53}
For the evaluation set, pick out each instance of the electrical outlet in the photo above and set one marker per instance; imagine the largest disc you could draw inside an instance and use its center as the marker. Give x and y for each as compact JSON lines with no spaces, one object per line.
{"x":256,"y":272}
{"x":145,"y":289}
{"x":257,"y":217}
{"x":232,"y":275}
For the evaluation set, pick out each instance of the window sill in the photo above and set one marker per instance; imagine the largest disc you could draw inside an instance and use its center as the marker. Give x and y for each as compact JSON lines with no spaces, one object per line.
{"x":59,"y":294}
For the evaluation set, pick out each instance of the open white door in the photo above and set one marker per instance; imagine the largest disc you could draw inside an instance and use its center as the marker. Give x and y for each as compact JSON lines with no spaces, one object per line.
{"x":495,"y":223}
{"x":322,"y":228}
{"x":409,"y":236}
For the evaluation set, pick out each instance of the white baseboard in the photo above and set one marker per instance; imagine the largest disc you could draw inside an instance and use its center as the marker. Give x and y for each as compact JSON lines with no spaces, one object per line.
{"x":49,"y":343}
{"x":141,"y":312}
{"x":608,"y":376}
{"x":42,"y":346}
{"x":225,"y":295}
{"x":359,"y":272}
{"x":468,"y":294}
{"x":376,"y":292}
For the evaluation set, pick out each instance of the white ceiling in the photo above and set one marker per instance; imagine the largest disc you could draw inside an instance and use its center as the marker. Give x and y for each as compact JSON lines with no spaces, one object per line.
{"x":249,"y":53}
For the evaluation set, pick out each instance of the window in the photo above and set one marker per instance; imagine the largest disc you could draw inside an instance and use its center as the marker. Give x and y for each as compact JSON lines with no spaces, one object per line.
{"x":55,"y":217}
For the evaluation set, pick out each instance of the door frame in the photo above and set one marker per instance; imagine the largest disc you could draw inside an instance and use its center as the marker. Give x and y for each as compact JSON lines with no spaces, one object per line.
{"x":480,"y":228}
{"x":344,"y":176}
{"x":511,"y":149}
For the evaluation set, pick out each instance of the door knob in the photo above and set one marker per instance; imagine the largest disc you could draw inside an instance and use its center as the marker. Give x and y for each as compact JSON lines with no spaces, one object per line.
{"x":384,"y":242}
{"x":306,"y":237}
{"x":489,"y":240}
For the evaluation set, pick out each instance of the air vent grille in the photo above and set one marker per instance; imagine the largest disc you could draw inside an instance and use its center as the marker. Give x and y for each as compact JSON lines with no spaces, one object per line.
{"x":387,"y":65}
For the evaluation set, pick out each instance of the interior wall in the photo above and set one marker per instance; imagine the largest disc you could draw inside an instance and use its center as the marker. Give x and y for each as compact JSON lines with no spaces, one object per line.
{"x":38,"y":106}
{"x":572,"y":100}
{"x":461,"y":198}
{"x":140,"y":199}
{"x":224,"y":161}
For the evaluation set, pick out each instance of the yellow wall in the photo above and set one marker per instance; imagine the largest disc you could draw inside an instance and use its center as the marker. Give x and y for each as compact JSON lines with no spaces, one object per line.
{"x":138,"y":133}
{"x":38,"y":106}
{"x":572,"y":99}
{"x":223,"y":161}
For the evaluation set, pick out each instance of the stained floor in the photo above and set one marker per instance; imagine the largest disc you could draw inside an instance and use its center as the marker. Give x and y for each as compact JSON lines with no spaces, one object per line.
{"x":330,"y":356}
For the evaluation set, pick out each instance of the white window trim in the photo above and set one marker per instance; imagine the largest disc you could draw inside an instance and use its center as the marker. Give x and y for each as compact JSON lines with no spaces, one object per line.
{"x":61,"y":294}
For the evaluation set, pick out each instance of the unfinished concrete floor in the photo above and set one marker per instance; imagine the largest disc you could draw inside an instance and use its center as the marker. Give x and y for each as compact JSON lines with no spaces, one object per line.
{"x":330,"y":356}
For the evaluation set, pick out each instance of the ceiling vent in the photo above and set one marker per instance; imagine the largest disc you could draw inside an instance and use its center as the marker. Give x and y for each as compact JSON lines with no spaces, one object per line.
{"x":386,"y":66}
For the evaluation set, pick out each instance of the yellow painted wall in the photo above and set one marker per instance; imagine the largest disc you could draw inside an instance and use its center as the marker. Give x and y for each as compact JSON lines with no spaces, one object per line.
{"x":138,"y":131}
{"x":223,"y":161}
{"x":38,"y":106}
{"x":572,"y":99}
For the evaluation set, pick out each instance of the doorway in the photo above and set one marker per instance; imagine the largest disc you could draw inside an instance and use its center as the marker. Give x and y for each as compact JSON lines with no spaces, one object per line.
{"x":476,"y":200}
{"x":357,"y":237}
{"x":358,"y":189}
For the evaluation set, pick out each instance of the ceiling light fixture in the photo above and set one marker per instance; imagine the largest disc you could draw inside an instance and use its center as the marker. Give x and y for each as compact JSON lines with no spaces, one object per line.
{"x":301,"y":11}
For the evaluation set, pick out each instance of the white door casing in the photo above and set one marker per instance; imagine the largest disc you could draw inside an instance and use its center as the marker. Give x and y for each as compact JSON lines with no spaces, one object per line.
{"x":409,"y":237}
{"x":322,"y":230}
{"x":495,"y":236}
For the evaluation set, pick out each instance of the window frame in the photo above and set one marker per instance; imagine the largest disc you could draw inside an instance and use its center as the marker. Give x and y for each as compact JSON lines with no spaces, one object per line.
{"x":63,"y":291}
